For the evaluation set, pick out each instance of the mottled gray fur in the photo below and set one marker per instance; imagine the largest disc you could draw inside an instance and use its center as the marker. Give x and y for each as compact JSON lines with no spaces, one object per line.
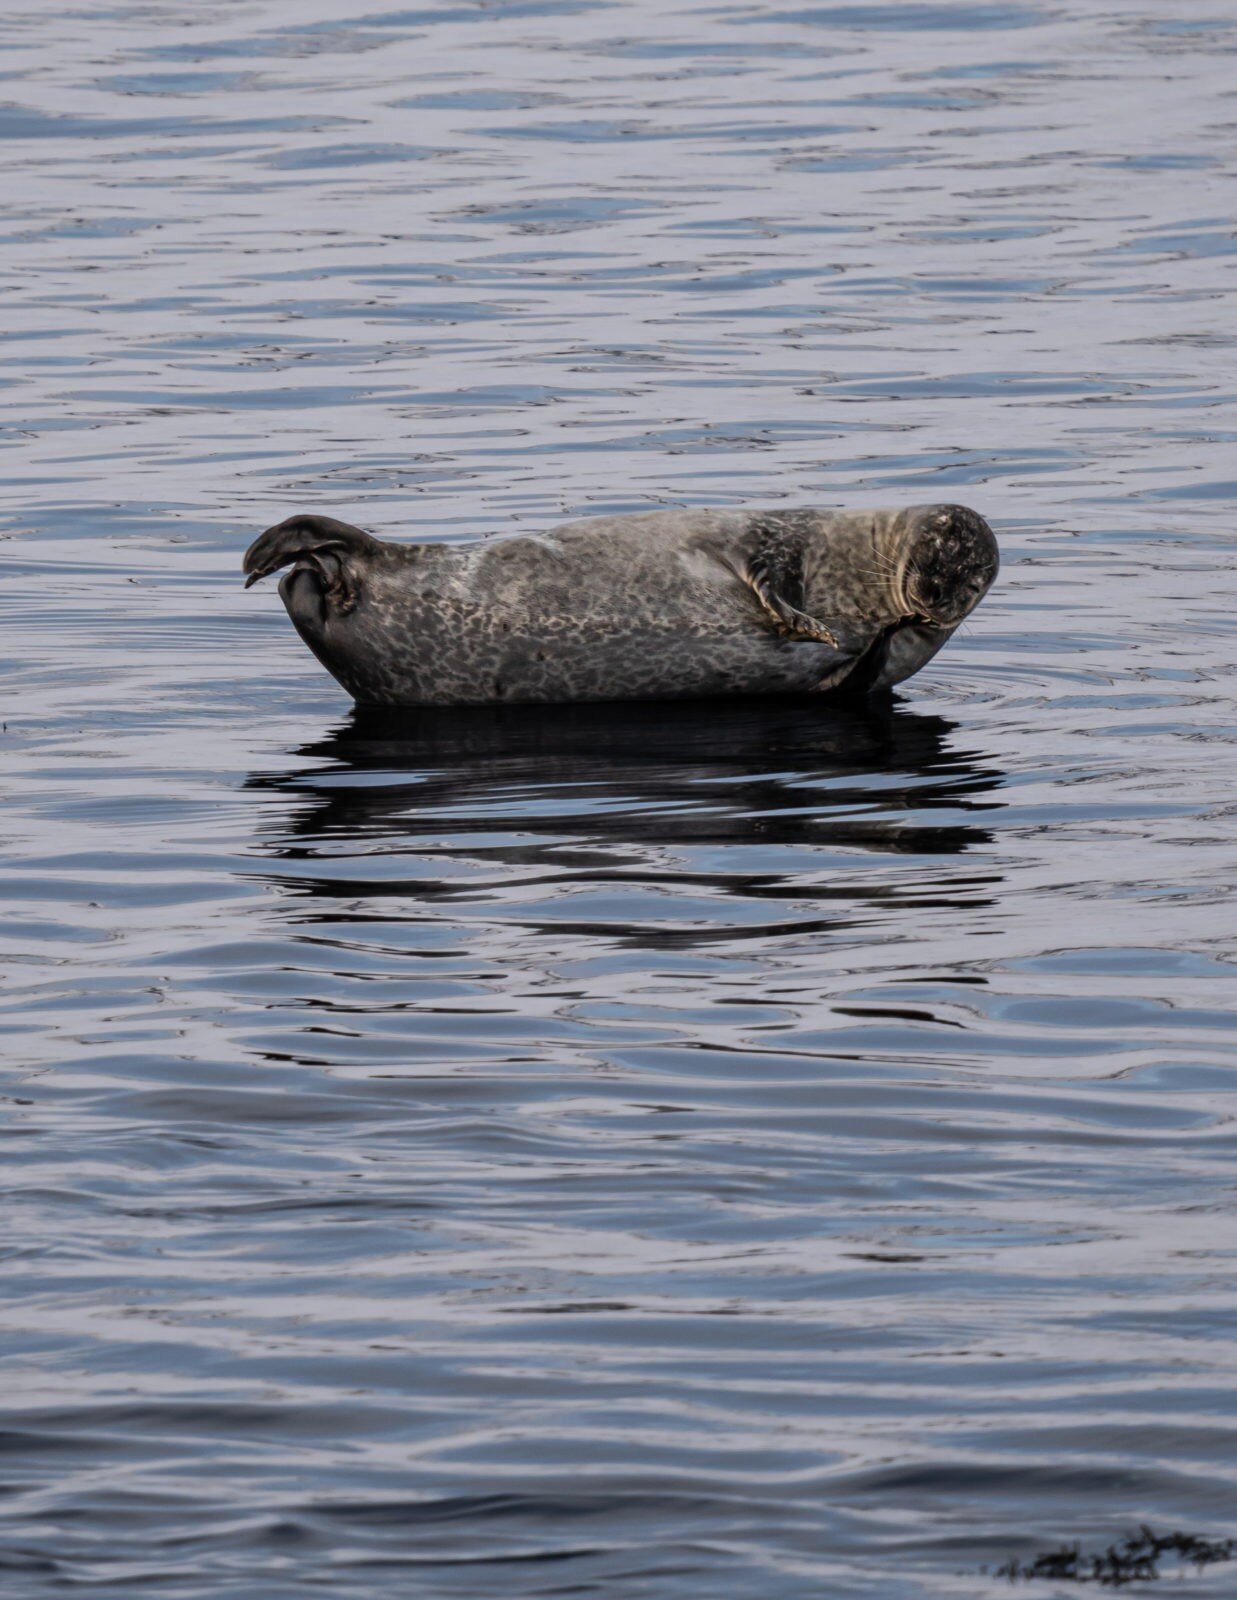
{"x":665,"y":604}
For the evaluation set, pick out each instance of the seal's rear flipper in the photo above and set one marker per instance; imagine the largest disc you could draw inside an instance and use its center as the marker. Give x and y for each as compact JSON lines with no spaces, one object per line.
{"x":335,"y":551}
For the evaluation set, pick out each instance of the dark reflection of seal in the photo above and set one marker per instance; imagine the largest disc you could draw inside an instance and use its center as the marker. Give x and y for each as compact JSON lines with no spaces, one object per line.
{"x":663,"y":605}
{"x":608,"y":791}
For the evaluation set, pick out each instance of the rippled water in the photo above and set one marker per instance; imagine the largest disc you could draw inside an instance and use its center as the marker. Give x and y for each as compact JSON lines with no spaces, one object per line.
{"x":727,"y":1151}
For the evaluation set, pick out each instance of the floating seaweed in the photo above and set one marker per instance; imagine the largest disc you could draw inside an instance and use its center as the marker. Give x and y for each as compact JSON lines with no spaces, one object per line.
{"x":1135,"y":1560}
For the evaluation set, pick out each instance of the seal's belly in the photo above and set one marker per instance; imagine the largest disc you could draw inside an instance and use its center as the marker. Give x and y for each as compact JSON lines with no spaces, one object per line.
{"x":520,"y":622}
{"x":473,"y":656}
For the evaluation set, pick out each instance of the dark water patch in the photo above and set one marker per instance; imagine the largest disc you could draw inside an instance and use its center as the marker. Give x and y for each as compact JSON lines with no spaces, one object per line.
{"x":349,"y":155}
{"x":23,"y":122}
{"x":910,"y":18}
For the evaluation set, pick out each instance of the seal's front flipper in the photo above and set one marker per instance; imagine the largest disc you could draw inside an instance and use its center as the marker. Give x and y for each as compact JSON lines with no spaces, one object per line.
{"x":774,"y":574}
{"x":334,"y":551}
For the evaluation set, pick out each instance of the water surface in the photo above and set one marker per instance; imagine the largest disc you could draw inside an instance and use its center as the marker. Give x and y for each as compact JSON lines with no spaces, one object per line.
{"x":747,"y":1151}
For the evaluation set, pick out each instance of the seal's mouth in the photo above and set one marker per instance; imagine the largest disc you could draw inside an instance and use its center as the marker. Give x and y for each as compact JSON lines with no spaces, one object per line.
{"x":934,"y":605}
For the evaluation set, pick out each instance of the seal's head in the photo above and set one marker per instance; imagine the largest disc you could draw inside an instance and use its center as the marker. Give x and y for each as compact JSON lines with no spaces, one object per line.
{"x":948,"y":559}
{"x":935,"y":564}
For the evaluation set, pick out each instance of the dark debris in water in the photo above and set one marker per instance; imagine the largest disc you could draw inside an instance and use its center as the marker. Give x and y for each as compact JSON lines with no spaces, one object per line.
{"x":1135,"y":1560}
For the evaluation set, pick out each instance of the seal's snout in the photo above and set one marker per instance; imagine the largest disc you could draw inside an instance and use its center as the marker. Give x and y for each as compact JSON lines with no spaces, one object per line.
{"x":951,"y":561}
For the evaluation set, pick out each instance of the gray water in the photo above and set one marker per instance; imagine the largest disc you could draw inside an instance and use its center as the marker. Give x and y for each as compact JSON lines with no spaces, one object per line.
{"x":729,"y":1153}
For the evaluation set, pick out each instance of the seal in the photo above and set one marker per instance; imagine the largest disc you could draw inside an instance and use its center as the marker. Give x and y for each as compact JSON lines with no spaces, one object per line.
{"x":658,"y":605}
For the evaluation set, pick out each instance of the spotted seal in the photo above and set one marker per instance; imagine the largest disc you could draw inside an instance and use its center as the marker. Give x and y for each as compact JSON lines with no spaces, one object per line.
{"x":659,"y":605}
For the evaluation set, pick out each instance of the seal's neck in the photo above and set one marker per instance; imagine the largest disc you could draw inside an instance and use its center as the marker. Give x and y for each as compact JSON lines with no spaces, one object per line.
{"x":859,"y":569}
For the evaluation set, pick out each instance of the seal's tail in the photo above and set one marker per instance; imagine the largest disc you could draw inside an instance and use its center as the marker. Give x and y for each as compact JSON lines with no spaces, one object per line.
{"x":331,"y":548}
